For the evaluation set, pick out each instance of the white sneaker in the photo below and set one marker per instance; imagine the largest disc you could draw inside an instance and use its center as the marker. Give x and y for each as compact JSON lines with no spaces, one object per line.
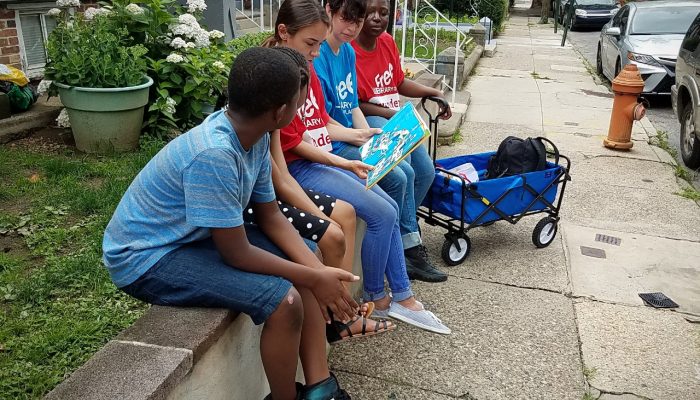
{"x":423,"y":319}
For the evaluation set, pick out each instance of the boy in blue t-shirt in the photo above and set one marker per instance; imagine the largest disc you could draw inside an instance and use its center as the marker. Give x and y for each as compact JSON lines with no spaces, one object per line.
{"x":178,"y":238}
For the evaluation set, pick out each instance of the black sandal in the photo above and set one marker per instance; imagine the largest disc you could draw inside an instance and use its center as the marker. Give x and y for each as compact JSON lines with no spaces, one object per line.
{"x":335,"y":329}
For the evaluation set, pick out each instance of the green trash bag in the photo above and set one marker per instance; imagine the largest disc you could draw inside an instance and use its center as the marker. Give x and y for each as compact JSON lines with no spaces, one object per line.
{"x":21,"y":97}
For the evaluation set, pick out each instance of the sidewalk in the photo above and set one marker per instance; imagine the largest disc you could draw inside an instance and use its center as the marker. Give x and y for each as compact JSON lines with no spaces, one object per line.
{"x":553,"y":323}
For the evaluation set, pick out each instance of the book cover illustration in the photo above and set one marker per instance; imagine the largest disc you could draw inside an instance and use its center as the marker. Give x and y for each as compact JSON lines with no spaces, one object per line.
{"x":400,"y":136}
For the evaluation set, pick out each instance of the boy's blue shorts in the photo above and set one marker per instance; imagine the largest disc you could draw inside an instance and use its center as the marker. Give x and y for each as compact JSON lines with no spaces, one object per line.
{"x":194,"y":275}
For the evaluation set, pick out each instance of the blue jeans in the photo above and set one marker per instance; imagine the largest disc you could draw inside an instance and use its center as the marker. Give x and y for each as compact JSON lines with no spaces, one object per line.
{"x":194,"y":275}
{"x":407,"y":184}
{"x":382,"y":253}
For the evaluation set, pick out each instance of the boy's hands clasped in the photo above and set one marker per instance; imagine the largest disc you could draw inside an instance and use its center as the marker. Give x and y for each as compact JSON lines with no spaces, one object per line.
{"x":331,"y":294}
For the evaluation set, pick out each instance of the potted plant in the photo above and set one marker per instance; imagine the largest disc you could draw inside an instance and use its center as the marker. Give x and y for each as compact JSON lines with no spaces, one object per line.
{"x":100,"y":78}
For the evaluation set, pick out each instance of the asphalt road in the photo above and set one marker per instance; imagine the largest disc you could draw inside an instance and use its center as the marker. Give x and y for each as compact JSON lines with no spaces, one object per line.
{"x":660,"y":112}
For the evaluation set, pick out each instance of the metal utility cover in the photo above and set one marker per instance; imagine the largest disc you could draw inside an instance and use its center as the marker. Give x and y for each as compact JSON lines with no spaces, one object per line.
{"x":599,"y":237}
{"x":658,"y":300}
{"x":593,"y":252}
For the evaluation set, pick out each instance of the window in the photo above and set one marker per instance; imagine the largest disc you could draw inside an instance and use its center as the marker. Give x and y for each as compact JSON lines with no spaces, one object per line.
{"x":690,"y":43}
{"x":34,"y":28}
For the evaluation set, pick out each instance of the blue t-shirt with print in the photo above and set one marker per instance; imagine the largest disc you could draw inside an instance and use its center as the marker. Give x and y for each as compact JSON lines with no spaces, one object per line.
{"x":200,"y":180}
{"x":339,"y":82}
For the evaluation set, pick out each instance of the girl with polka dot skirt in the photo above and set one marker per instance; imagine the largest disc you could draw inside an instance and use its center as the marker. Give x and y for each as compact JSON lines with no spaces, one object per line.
{"x":303,"y":25}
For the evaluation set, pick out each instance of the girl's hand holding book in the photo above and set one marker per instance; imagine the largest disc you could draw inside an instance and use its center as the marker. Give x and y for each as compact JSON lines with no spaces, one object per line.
{"x":358,"y":168}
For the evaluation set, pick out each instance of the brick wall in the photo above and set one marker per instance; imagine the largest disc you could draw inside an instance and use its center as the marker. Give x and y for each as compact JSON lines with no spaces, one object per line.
{"x":9,"y":42}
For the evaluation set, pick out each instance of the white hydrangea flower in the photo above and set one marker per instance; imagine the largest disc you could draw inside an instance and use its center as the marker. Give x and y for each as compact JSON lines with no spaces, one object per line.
{"x":182,"y":30}
{"x":178,"y":43}
{"x":62,"y":120}
{"x":54,"y":12}
{"x":134,"y":9}
{"x":201,"y":39}
{"x":174,"y":58}
{"x":44,"y":86}
{"x":188,"y":19}
{"x":196,"y":5}
{"x":90,"y":13}
{"x":190,"y":45}
{"x":216,"y":34}
{"x":170,"y":105}
{"x":68,"y":3}
{"x":219,"y":65}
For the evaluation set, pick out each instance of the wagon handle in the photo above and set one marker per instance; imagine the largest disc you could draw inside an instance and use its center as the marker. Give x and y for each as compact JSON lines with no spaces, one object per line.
{"x":556,"y":150}
{"x":442,"y":103}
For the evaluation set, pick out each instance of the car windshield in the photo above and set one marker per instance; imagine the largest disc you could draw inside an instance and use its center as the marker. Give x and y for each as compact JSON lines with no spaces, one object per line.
{"x":663,"y":21}
{"x":597,"y":2}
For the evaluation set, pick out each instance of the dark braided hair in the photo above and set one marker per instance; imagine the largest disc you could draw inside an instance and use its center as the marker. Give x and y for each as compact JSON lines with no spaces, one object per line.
{"x":300,"y":61}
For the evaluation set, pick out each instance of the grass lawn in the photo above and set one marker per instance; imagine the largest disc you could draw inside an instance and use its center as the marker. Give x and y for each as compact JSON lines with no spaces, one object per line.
{"x":57,"y":303}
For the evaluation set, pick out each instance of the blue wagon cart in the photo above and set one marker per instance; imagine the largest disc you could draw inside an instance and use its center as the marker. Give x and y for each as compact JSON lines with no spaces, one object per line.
{"x":457,"y":205}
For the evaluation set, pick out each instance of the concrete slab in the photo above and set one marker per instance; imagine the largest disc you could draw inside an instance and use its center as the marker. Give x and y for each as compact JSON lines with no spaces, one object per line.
{"x":640,"y":264}
{"x":522,"y":61}
{"x":479,"y":137}
{"x":512,"y":86}
{"x":586,"y":118}
{"x":504,"y":72}
{"x":623,"y":209}
{"x":568,"y":68}
{"x":649,"y":353}
{"x":505,"y":114}
{"x":629,"y":173}
{"x":589,"y":142}
{"x":364,"y":387}
{"x":122,"y":370}
{"x":506,"y":343}
{"x":504,"y":253}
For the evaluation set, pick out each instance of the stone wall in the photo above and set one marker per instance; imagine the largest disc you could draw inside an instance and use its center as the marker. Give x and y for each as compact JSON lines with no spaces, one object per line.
{"x":9,"y":42}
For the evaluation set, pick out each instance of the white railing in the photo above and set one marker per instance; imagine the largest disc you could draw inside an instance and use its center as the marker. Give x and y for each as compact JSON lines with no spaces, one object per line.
{"x":261,"y":13}
{"x":423,"y":25}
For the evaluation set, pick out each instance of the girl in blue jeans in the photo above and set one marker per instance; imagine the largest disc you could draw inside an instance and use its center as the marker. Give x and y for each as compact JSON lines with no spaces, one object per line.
{"x":408,"y":183}
{"x":303,"y":25}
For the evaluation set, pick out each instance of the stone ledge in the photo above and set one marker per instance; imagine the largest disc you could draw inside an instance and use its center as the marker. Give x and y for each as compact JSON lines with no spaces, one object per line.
{"x":125,"y":370}
{"x":193,"y":329}
{"x":20,"y":125}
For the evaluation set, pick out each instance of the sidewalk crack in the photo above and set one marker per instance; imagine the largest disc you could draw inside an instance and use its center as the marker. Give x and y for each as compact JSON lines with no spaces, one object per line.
{"x":619,"y":393}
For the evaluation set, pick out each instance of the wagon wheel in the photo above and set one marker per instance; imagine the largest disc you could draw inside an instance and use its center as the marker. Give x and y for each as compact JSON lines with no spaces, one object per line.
{"x":455,"y":249}
{"x":544,"y":232}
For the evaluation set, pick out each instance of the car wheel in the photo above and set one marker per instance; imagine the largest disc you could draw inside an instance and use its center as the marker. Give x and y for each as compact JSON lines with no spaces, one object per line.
{"x":690,"y":143}
{"x":599,"y":62}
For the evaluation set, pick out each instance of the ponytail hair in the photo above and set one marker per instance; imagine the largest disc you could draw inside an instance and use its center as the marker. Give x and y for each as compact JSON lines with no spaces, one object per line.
{"x":297,"y":15}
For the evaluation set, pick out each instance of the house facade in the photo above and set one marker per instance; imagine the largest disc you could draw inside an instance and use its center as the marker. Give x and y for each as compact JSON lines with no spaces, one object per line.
{"x":24,"y":27}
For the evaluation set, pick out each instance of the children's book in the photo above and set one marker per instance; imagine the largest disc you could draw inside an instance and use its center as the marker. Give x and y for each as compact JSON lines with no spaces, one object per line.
{"x":405,"y":131}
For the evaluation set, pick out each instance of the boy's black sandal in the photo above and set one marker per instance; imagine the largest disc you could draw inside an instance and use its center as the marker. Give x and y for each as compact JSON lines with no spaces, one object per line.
{"x":334,"y":330}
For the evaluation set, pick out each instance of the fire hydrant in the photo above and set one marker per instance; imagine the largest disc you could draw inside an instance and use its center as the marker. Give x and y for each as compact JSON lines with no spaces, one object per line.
{"x":627,"y":86}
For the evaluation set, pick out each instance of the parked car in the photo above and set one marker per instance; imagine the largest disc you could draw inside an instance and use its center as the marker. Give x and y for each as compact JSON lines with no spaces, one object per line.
{"x":648,"y":34}
{"x":588,"y":13}
{"x":685,"y":95}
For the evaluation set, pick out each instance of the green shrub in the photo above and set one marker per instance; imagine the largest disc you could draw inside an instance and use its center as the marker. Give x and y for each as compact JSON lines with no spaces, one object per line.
{"x":496,"y":10}
{"x":93,"y":53}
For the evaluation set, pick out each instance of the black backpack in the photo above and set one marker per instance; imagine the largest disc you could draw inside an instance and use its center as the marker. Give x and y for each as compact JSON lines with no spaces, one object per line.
{"x":517,"y":156}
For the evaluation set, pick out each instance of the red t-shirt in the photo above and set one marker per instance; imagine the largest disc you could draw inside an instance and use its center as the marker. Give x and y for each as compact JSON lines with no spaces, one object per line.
{"x":310,"y":122}
{"x":379,"y":72}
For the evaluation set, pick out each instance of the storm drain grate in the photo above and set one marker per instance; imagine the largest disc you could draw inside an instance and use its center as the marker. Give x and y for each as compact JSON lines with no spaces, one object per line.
{"x":592,"y":252}
{"x":599,"y":237}
{"x":658,"y":300}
